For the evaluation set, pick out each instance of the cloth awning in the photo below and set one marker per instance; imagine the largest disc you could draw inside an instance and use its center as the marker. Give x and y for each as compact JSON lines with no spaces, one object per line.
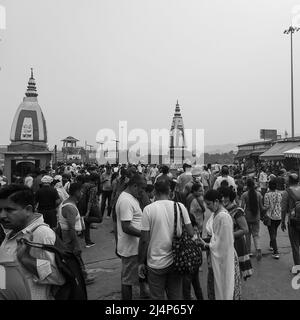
{"x":276,"y":152}
{"x":293,"y":153}
{"x":243,"y":154}
{"x":248,"y":153}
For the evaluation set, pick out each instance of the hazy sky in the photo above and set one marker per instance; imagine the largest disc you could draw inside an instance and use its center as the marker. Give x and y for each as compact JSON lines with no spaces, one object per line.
{"x":100,"y":61}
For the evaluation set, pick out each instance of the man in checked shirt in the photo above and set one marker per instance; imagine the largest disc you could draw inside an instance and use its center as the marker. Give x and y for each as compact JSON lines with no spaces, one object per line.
{"x":18,"y":218}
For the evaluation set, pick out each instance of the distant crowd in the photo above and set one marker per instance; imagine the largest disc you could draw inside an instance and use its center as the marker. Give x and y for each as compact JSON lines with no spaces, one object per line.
{"x":156,"y":215}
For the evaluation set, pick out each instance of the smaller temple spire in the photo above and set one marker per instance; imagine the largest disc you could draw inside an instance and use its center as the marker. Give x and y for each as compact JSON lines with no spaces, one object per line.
{"x":31,"y":87}
{"x":177,"y":109}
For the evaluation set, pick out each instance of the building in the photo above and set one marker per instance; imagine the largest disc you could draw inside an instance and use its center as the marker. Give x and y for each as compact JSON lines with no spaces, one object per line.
{"x":285,"y":151}
{"x":177,"y":139}
{"x":28,"y":150}
{"x":281,"y":150}
{"x":250,"y":152}
{"x":71,"y":152}
{"x":3,"y":149}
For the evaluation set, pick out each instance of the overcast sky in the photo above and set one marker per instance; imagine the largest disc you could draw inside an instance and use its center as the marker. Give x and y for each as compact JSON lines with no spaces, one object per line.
{"x":100,"y":61}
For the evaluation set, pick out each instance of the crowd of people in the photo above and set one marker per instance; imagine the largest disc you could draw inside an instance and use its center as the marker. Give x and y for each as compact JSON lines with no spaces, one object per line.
{"x":219,"y":208}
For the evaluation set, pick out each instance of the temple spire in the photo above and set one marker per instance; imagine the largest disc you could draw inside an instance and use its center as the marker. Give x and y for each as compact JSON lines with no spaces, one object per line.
{"x":177,"y":110}
{"x":31,"y":87}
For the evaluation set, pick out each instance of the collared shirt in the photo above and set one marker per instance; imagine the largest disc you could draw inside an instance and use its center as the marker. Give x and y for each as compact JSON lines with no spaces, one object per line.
{"x":13,"y":284}
{"x":45,"y":261}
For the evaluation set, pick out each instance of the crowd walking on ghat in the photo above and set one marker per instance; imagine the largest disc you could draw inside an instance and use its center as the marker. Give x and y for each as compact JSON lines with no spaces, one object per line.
{"x":167,"y":224}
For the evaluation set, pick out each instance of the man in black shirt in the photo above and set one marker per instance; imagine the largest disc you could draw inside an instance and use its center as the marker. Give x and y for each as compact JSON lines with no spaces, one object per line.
{"x":47,"y":200}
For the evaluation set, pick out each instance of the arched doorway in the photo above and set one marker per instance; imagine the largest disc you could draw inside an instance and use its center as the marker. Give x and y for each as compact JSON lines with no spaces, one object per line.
{"x":22,"y":168}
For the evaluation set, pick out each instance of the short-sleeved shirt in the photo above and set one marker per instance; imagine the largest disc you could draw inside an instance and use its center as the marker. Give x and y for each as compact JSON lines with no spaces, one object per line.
{"x":128,"y":209}
{"x":13,"y":284}
{"x":158,"y":218}
{"x":273,"y":202}
{"x":48,"y":273}
{"x":46,"y":198}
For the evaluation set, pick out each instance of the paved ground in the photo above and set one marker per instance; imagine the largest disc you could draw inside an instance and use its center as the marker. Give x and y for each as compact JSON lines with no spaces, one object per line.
{"x":271,"y":279}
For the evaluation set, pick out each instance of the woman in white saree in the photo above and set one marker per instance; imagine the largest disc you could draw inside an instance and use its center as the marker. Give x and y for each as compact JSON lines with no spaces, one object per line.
{"x":224,"y":282}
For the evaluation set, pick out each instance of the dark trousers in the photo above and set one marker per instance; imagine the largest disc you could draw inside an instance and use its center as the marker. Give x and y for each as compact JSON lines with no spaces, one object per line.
{"x":192,"y":279}
{"x":164,"y":281}
{"x":273,"y":234}
{"x":106,"y":195}
{"x":49,"y":217}
{"x":294,"y":236}
{"x":94,"y":217}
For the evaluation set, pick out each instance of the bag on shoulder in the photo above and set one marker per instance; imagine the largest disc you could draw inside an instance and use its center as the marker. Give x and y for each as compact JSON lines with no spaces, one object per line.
{"x":187,"y":254}
{"x":294,"y":193}
{"x":69,"y":266}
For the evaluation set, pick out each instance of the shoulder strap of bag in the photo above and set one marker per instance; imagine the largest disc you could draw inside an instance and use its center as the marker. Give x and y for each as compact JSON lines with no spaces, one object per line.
{"x":181,"y":215}
{"x":175,"y":220}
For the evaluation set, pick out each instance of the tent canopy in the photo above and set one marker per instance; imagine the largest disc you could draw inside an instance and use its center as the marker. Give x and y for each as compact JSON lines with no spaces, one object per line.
{"x":276,"y":152}
{"x":293,"y":153}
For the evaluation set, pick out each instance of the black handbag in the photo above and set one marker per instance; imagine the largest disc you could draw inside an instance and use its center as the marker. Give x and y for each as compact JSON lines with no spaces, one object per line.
{"x":187,"y":254}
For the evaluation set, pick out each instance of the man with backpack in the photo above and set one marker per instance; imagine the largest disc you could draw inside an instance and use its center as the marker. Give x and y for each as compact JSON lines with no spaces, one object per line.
{"x":38,"y":265}
{"x":290,"y":206}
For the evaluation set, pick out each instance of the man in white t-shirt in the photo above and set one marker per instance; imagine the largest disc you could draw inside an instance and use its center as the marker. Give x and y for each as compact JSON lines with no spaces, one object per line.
{"x":225,"y":176}
{"x":129,"y":216}
{"x":156,"y":245}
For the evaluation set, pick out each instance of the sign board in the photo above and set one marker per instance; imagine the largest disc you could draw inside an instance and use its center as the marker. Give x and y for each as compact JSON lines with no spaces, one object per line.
{"x":268,"y":134}
{"x":27,"y":129}
{"x":74,"y":157}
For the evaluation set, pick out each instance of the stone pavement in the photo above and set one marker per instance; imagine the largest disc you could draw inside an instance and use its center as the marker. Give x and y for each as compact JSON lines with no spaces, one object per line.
{"x":271,"y":279}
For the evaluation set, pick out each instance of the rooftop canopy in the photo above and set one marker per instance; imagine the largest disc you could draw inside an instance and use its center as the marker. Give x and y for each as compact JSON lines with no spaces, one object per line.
{"x":293,"y":153}
{"x":70,"y":139}
{"x":276,"y":152}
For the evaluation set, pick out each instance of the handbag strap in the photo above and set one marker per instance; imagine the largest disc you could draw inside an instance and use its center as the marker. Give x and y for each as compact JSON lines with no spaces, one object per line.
{"x":175,"y":217}
{"x":175,"y":220}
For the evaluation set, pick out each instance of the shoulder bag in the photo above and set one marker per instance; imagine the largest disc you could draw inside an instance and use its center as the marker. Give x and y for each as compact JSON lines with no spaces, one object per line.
{"x":187,"y":254}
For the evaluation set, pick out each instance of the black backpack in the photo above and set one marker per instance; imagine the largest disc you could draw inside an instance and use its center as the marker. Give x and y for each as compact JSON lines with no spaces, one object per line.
{"x":69,"y":266}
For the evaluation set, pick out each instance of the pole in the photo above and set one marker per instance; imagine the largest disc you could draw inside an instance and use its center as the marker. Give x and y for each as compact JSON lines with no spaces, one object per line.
{"x":292,"y":86}
{"x":55,"y":154}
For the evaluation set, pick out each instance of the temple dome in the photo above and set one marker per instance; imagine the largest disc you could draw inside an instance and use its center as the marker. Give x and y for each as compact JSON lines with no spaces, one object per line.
{"x":29,"y":124}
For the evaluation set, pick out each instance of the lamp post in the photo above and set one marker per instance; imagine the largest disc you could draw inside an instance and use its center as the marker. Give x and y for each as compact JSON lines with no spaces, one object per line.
{"x":291,"y":30}
{"x":101,"y":148}
{"x":117,"y":151}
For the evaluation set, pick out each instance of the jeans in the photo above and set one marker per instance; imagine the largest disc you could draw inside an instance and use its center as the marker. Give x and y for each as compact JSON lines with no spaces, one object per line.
{"x":254,"y":231}
{"x":106,"y":195}
{"x":294,"y":236}
{"x":273,"y":234}
{"x":165,"y":281}
{"x":194,"y":280}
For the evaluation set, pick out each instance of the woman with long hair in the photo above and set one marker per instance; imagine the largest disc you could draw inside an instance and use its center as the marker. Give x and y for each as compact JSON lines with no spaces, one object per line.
{"x":252,"y":204}
{"x":223,"y":280}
